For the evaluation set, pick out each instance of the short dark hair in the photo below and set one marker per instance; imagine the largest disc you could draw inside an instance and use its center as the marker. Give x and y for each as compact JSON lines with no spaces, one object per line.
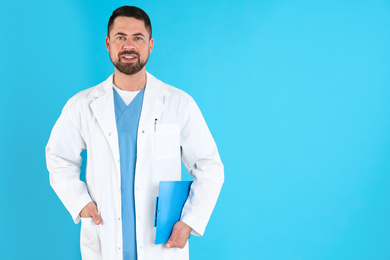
{"x":130,"y":11}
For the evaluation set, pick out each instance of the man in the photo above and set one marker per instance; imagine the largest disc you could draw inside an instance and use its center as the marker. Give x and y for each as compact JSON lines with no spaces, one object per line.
{"x":136,"y":130}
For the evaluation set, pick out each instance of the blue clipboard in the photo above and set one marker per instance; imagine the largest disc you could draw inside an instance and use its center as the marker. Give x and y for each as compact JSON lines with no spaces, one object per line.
{"x":169,"y":204}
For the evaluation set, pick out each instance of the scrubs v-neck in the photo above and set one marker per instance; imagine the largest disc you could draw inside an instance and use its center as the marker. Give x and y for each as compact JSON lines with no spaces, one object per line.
{"x":127,"y":119}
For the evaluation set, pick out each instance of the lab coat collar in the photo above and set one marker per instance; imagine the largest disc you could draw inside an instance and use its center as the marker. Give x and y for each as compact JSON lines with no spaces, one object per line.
{"x":154,"y":86}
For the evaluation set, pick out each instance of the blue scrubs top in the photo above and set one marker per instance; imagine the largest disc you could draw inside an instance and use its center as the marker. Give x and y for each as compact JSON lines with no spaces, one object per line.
{"x":127,"y":119}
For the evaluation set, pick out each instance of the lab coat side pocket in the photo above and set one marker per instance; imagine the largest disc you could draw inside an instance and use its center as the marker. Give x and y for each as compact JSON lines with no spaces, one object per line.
{"x":177,"y":253}
{"x":166,"y":141}
{"x":90,"y":240}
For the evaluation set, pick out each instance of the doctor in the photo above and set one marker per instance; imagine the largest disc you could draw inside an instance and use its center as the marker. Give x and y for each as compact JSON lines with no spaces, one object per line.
{"x":137,"y":130}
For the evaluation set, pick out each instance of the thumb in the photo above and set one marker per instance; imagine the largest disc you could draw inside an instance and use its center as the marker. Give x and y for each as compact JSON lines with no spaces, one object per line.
{"x":169,"y":243}
{"x":95,"y":216}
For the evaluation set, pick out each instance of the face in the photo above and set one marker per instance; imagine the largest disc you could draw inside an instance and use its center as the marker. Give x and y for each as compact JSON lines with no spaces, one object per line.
{"x":129,"y":45}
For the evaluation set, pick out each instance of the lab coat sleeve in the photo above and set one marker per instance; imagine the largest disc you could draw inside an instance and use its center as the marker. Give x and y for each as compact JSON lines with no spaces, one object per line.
{"x":201,"y":159}
{"x":63,"y":161}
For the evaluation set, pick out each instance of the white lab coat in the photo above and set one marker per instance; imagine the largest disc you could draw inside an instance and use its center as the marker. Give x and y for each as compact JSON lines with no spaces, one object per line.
{"x":180,"y":133}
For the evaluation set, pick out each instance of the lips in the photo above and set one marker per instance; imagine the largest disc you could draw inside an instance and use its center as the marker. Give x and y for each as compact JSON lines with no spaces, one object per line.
{"x":128,"y":57}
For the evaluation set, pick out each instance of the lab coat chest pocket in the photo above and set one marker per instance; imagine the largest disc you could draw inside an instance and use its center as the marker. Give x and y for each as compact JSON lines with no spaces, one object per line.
{"x":166,"y":141}
{"x":90,"y":240}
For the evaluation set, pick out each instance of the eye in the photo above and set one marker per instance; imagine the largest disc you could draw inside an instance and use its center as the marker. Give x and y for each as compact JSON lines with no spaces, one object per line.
{"x":138,"y":38}
{"x":120,"y":38}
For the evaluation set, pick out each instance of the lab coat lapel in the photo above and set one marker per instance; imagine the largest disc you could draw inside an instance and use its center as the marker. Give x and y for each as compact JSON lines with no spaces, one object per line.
{"x":104,"y":111}
{"x":153,"y":104}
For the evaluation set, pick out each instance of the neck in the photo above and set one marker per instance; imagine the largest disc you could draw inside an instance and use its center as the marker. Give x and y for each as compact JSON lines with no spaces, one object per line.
{"x":133,"y":82}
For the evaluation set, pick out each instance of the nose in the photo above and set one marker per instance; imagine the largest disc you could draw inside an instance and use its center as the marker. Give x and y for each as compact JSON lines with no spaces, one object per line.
{"x":128,"y":45}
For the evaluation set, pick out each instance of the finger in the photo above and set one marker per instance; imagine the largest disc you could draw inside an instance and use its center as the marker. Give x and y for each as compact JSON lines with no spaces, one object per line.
{"x":172,"y":240}
{"x":179,"y":242}
{"x":177,"y":238}
{"x":170,"y":243}
{"x":96,"y":218}
{"x":95,"y":215}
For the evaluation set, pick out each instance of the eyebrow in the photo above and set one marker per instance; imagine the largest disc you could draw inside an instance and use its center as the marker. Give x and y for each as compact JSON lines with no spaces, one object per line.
{"x":138,"y":34}
{"x":120,"y":33}
{"x":124,"y":34}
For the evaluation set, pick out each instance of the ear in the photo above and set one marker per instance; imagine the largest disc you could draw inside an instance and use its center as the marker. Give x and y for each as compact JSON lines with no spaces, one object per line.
{"x":151,"y":44}
{"x":108,"y":43}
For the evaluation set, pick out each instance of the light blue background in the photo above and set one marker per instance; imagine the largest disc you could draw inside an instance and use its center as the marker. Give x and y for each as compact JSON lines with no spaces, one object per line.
{"x":296,"y":94}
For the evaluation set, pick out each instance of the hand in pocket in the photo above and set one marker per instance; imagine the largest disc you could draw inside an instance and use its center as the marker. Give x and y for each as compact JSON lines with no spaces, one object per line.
{"x":90,"y":211}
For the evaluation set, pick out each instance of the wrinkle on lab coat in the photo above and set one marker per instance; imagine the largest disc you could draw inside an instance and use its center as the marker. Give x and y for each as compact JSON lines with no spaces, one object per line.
{"x":171,"y":129}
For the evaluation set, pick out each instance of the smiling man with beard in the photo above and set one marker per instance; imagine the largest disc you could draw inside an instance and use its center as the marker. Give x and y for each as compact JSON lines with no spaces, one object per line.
{"x":137,"y":130}
{"x":129,"y":37}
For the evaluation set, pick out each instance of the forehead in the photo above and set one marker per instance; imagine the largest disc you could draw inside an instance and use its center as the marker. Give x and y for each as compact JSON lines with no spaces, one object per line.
{"x":128,"y":25}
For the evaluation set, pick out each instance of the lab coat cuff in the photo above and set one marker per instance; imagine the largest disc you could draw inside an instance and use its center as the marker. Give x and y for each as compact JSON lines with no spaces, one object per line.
{"x":197,"y":227}
{"x":78,"y":206}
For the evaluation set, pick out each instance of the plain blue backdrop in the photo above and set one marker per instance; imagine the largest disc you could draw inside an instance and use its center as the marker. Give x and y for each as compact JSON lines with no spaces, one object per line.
{"x":295,"y":93}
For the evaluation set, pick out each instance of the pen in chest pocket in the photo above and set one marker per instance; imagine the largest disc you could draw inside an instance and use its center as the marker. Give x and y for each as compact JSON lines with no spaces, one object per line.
{"x":155,"y":124}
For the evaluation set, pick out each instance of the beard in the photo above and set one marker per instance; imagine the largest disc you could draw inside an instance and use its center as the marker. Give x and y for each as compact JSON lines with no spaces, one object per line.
{"x":129,"y":68}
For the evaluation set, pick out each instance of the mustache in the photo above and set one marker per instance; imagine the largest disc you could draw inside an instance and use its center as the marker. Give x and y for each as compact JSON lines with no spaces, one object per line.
{"x":129,"y":53}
